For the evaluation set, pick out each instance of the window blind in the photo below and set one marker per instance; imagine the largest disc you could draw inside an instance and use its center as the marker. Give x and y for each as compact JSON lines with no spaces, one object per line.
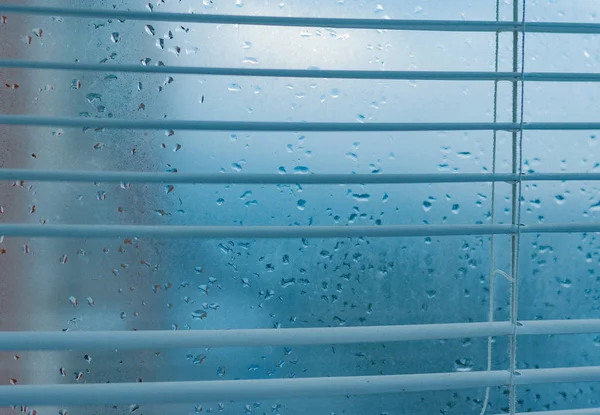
{"x":192,"y":391}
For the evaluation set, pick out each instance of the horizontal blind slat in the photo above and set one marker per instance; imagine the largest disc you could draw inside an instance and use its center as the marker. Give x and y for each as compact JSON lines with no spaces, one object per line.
{"x":196,"y":125}
{"x":194,"y":391}
{"x":342,"y":23}
{"x":307,"y":73}
{"x":163,"y":339}
{"x":266,"y":178}
{"x":165,"y":124}
{"x":282,"y":232}
{"x":247,"y":232}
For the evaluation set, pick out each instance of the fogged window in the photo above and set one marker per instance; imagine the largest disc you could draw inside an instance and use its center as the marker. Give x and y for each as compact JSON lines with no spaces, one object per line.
{"x":152,"y":283}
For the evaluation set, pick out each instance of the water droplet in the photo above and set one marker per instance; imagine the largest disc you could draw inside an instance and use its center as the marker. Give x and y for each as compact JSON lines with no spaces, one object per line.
{"x":385,"y":198}
{"x":301,"y":170}
{"x":234,"y":87}
{"x":301,"y":204}
{"x":73,"y":301}
{"x":250,"y":60}
{"x":208,"y":4}
{"x":281,"y":170}
{"x":87,"y":358}
{"x":430,"y":293}
{"x":455,"y":208}
{"x":247,"y":45}
{"x":239,"y":3}
{"x":198,"y":360}
{"x":93,"y":97}
{"x":236,"y":166}
{"x":114,"y":37}
{"x":335,"y":93}
{"x":150,"y":29}
{"x":360,"y":118}
{"x":464,"y":154}
{"x":595,"y":207}
{"x":361,"y":197}
{"x":220,"y":201}
{"x":559,"y":199}
{"x":199,"y":314}
{"x":169,"y":188}
{"x":427,"y":206}
{"x":565,"y":282}
{"x":464,"y":364}
{"x":287,"y":282}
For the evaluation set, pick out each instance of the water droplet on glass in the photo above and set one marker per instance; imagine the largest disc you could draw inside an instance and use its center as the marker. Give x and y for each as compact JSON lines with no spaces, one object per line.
{"x":385,"y":198}
{"x":281,"y":170}
{"x":595,"y":207}
{"x":455,"y":208}
{"x":247,"y":45}
{"x":287,"y":282}
{"x":335,"y":93}
{"x":150,"y":29}
{"x":427,"y":206}
{"x":559,"y":199}
{"x":301,"y":170}
{"x":361,"y":197}
{"x":301,"y":204}
{"x":239,"y":3}
{"x":250,"y":60}
{"x":199,"y":314}
{"x":565,"y":282}
{"x":464,"y":154}
{"x":93,"y":97}
{"x":464,"y":364}
{"x":234,"y":87}
{"x":208,"y":4}
{"x":360,"y":118}
{"x":220,"y":201}
{"x":236,"y":166}
{"x":114,"y":36}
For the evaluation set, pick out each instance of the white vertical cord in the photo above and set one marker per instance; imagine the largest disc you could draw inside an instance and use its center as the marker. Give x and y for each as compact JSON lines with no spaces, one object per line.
{"x":486,"y":398}
{"x":517,"y":194}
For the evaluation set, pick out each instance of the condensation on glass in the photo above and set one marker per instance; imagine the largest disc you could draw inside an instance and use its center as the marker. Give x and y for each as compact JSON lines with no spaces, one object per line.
{"x":126,"y":284}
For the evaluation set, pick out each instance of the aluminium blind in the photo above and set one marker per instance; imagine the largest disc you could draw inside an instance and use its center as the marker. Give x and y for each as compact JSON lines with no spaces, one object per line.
{"x":335,"y":275}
